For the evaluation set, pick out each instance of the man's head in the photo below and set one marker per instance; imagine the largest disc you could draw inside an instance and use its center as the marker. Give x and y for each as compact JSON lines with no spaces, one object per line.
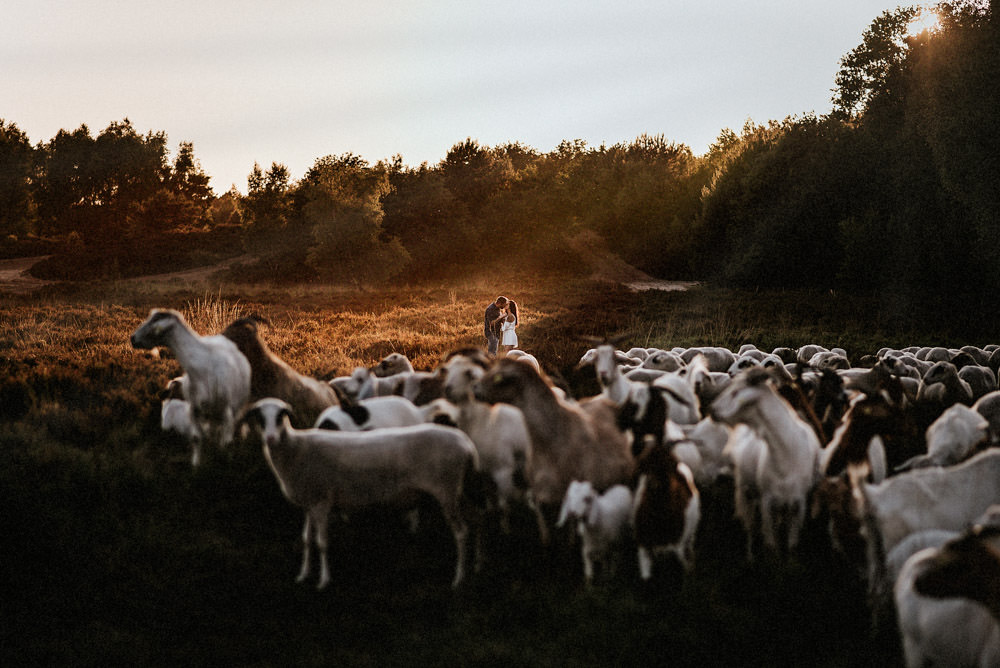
{"x":501,"y":301}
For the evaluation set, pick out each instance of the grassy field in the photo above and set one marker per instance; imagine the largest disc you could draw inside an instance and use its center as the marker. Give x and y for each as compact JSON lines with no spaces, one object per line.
{"x":118,"y":553}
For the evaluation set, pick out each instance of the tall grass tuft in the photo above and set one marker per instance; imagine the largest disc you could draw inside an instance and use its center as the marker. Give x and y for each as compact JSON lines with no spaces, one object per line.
{"x":211,"y":314}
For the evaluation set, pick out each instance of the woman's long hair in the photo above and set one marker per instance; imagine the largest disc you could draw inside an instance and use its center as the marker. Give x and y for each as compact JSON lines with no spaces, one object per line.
{"x":512,"y":305}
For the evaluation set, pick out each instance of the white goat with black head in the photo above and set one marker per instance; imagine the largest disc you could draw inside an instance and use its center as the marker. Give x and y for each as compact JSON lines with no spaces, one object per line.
{"x":336,"y":471}
{"x":217,"y":375}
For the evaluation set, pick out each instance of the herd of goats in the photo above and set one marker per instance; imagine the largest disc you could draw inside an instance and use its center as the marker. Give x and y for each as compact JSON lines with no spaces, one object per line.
{"x":895,"y":456}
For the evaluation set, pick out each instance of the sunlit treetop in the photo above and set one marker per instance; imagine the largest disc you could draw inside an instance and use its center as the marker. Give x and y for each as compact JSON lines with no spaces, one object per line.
{"x":926,"y":20}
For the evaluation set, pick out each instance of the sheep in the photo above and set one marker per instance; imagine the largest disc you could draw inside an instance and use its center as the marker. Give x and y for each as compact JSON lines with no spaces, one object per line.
{"x":638,"y":353}
{"x":981,"y":357}
{"x":602,"y":522}
{"x":371,"y":413}
{"x":954,"y":437}
{"x":989,"y":407}
{"x":524,"y":358}
{"x":663,"y":360}
{"x":218,"y":375}
{"x":270,"y":376}
{"x":392,"y":364}
{"x":942,"y":632}
{"x":175,"y":410}
{"x":788,"y":465}
{"x":499,"y":432}
{"x":570,"y":441}
{"x":323,"y":471}
{"x":968,"y":566}
{"x":362,"y":384}
{"x":666,"y":510}
{"x":806,"y":352}
{"x":440,"y":411}
{"x":420,"y":387}
{"x":829,"y":359}
{"x":981,"y":379}
{"x":941,"y":386}
{"x":742,"y":363}
{"x":716,"y":358}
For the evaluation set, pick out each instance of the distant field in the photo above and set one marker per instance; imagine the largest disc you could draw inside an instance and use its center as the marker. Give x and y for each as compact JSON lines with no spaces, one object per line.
{"x":119,"y":554}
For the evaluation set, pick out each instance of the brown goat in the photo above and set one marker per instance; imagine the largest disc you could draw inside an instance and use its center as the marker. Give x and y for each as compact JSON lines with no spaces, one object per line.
{"x":271,"y":376}
{"x":571,"y":441}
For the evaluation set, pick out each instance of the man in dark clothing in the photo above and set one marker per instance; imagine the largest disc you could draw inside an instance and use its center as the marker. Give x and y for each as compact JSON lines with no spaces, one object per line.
{"x":492,"y":324}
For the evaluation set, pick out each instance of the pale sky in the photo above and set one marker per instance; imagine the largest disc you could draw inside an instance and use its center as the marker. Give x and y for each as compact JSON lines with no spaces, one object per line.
{"x":291,"y":81}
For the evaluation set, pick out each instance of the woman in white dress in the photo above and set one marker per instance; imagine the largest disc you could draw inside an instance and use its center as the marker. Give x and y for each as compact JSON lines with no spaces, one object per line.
{"x":508,"y":338}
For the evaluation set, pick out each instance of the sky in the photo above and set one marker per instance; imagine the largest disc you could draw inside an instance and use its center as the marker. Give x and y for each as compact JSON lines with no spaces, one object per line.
{"x":253,"y":81}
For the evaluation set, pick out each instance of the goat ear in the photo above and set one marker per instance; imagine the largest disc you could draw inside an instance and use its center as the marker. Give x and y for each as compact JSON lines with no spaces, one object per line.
{"x":286,"y":411}
{"x":593,"y":340}
{"x":250,"y":416}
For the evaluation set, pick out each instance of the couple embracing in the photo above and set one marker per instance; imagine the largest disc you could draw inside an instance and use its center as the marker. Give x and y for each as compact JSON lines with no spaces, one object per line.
{"x":500,"y":324}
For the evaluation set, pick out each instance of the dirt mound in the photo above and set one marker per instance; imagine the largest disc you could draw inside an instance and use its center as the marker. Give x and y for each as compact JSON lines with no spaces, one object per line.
{"x":605,"y":265}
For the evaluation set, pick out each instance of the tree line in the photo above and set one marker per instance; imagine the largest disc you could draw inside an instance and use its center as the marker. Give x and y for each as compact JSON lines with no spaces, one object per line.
{"x":892,"y":193}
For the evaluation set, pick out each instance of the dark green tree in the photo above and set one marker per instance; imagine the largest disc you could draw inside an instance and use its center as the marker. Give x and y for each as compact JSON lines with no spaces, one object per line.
{"x":344,"y":210}
{"x":17,"y":207}
{"x":872,"y":72}
{"x":266,"y":209}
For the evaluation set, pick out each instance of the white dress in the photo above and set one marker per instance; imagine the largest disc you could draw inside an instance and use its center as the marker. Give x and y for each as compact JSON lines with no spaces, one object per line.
{"x":509,"y":337}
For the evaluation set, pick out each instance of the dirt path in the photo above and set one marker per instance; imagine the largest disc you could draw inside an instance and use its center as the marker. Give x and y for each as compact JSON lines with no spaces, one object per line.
{"x":14,"y":276}
{"x":605,"y":266}
{"x":192,"y":275}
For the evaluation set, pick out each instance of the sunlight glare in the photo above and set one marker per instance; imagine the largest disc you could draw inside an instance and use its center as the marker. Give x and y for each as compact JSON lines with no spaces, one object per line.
{"x":926,"y":20}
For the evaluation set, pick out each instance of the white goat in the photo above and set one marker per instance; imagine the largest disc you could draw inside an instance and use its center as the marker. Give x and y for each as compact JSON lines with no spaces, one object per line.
{"x":371,"y":413}
{"x":788,"y":465}
{"x":175,"y":410}
{"x":218,"y":375}
{"x":499,"y":432}
{"x":321,"y":471}
{"x":602,"y":522}
{"x":953,"y":437}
